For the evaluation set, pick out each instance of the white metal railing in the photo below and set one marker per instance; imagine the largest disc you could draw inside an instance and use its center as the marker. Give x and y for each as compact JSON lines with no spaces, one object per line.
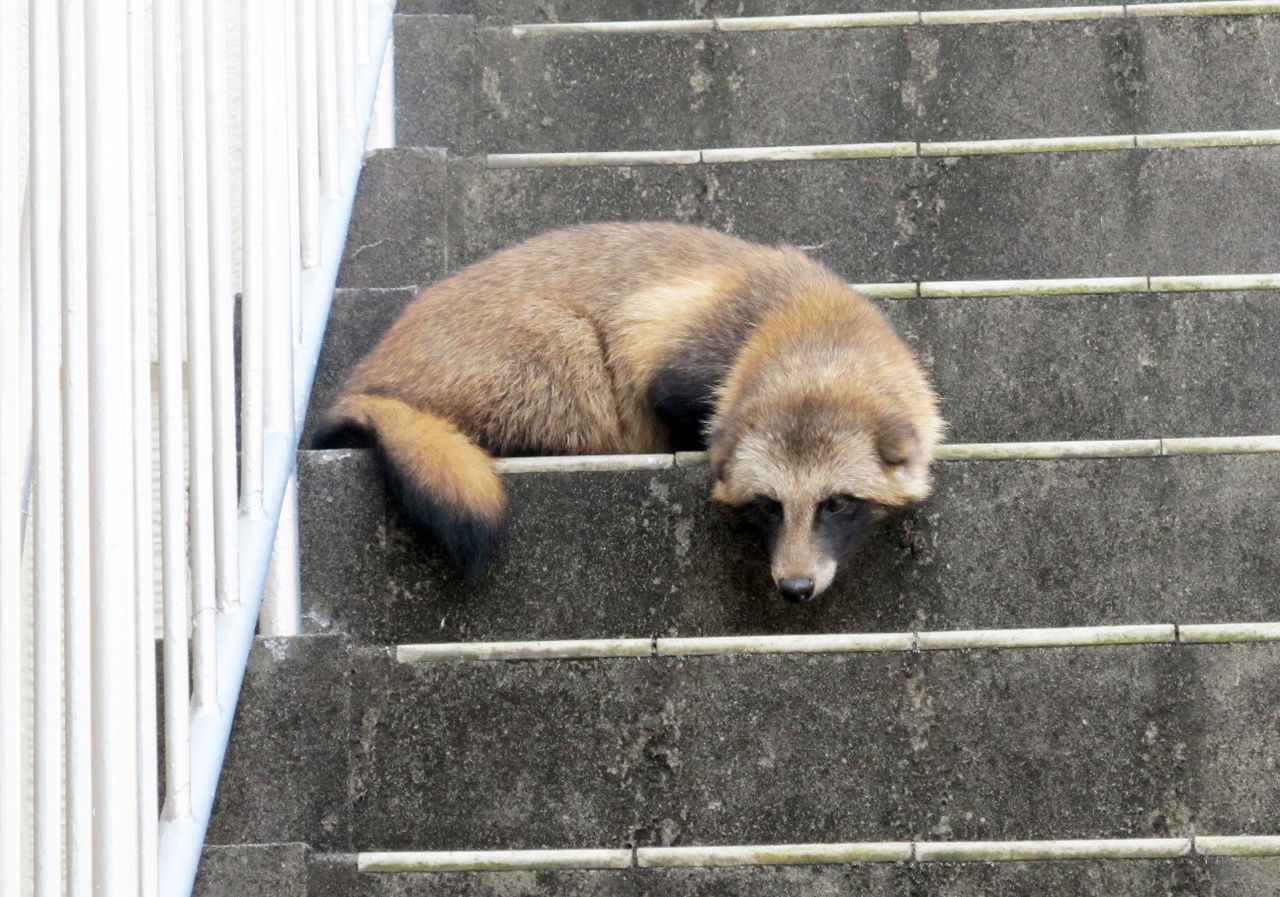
{"x":154,"y":158}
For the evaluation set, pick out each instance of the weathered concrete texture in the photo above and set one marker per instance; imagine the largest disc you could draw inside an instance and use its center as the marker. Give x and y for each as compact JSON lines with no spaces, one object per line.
{"x":1184,"y":211}
{"x":278,"y":870}
{"x":500,"y":93}
{"x":1188,"y":877}
{"x":1255,"y":877}
{"x":285,"y":773}
{"x":357,"y":321}
{"x":1060,"y":79}
{"x":1001,"y":544}
{"x":436,"y":72}
{"x":343,"y":536}
{"x":405,"y":187}
{"x":1074,"y":742}
{"x":525,"y":11}
{"x":1099,"y":367}
{"x":688,"y":91}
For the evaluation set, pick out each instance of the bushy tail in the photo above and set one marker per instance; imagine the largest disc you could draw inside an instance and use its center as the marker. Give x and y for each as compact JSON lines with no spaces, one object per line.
{"x":444,"y":481}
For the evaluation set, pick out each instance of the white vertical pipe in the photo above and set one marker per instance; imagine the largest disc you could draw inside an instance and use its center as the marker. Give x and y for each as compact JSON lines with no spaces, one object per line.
{"x":281,"y":611}
{"x":111,"y":532}
{"x":279,"y":261}
{"x":75,"y":457}
{"x":251,"y":295}
{"x":346,"y":65}
{"x":361,"y":33}
{"x":169,"y":302}
{"x":282,"y":269}
{"x":293,"y":166}
{"x":140,"y":314}
{"x":26,"y":366}
{"x":327,"y":68}
{"x":308,"y":135}
{"x":46,"y":534}
{"x":200,"y":548}
{"x":12,"y":466}
{"x":382,"y":128}
{"x":222,"y":311}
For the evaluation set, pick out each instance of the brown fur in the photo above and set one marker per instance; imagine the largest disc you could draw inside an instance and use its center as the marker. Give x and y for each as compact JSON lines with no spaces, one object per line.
{"x":554,"y":346}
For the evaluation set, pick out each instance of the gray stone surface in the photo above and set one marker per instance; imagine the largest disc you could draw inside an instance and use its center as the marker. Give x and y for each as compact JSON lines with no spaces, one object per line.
{"x":490,"y":91}
{"x":357,"y":321}
{"x":405,"y":187}
{"x":285,"y":775}
{"x":436,"y":78}
{"x":512,"y":11}
{"x":240,"y":870}
{"x":1125,"y":741}
{"x":1135,"y":878}
{"x":1101,"y":366}
{"x":1001,"y":544}
{"x":1190,"y":211}
{"x":343,"y":537}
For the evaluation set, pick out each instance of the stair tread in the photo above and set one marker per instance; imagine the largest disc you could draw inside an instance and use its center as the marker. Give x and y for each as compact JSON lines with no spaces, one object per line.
{"x":503,"y":93}
{"x":1098,"y":742}
{"x":1042,"y":215}
{"x":641,"y":553}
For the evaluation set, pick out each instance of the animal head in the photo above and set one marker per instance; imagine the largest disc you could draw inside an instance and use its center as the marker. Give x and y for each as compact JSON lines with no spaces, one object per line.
{"x":817,"y":436}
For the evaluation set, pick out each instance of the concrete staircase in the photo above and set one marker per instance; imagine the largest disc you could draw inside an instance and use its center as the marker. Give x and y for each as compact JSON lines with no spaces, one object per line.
{"x":1148,"y":734}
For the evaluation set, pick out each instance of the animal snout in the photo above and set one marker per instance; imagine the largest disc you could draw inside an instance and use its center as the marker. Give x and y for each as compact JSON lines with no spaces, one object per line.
{"x":797,"y":589}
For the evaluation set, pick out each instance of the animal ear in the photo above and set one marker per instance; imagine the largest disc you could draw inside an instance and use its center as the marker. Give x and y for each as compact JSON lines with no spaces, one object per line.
{"x":896,"y":440}
{"x":719,"y":447}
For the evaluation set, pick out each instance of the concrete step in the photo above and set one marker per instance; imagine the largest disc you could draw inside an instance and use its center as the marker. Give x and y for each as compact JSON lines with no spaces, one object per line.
{"x":1083,"y":214}
{"x":640,"y":553}
{"x":345,"y":749}
{"x":1023,"y":368}
{"x":486,"y":90}
{"x":492,"y":12}
{"x":520,"y":11}
{"x":231,"y":871}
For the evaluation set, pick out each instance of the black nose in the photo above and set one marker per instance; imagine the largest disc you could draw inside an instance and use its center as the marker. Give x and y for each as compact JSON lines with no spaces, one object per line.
{"x":800,"y":589}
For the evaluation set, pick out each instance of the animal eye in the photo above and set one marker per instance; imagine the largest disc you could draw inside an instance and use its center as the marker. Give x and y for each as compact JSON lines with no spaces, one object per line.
{"x":836,"y":504}
{"x":769,"y":507}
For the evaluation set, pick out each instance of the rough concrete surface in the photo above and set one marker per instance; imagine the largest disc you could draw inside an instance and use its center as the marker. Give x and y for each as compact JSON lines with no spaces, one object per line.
{"x":639,"y":553}
{"x":489,"y":91}
{"x":1186,"y":211}
{"x":241,"y":870}
{"x":1126,"y":741}
{"x":406,"y":188}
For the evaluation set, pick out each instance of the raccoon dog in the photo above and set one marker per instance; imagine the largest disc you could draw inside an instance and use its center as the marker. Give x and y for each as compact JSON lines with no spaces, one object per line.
{"x":619,"y":338}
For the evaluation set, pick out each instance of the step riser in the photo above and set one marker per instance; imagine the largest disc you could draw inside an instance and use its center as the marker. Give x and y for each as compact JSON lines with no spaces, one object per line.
{"x":1117,"y":742}
{"x":1093,"y":214}
{"x":640,"y":553}
{"x":915,"y":82}
{"x":1114,"y":366}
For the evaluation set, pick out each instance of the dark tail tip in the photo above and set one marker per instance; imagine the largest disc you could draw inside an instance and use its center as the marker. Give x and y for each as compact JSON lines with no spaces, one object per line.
{"x":469,"y":539}
{"x":342,"y":434}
